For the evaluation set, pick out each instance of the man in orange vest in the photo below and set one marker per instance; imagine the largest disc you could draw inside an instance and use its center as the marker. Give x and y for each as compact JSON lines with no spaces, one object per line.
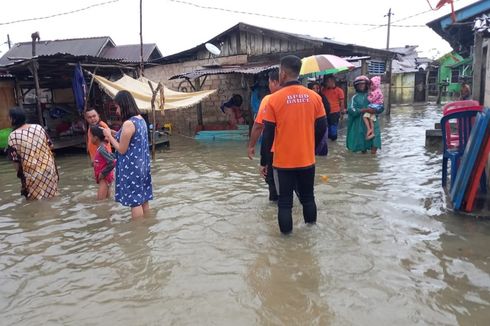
{"x":294,"y":122}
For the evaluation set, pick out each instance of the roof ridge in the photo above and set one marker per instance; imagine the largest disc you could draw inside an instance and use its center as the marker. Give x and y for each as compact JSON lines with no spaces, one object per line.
{"x":69,"y":39}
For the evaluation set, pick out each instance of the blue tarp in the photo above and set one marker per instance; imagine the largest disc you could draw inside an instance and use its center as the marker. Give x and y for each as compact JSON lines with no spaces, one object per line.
{"x":79,"y":87}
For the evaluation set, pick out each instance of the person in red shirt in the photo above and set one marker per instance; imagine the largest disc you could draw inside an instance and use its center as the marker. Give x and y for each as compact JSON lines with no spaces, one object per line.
{"x":336,"y":99}
{"x":294,"y":122}
{"x":258,"y":127}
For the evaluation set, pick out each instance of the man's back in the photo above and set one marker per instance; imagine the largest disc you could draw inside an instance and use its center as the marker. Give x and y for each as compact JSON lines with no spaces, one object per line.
{"x":293,"y":110}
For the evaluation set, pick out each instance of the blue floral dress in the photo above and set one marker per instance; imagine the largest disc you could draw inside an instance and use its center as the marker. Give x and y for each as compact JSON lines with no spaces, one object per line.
{"x":133,"y":177}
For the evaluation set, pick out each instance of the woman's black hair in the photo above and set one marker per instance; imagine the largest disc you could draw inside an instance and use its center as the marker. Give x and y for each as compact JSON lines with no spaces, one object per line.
{"x":127,"y":104}
{"x":97,"y":132}
{"x":237,"y":99}
{"x":18,"y":117}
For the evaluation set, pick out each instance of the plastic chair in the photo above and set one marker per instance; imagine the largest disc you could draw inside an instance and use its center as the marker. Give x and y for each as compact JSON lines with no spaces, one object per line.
{"x":453,"y":107}
{"x":449,"y":107}
{"x":465,"y":120}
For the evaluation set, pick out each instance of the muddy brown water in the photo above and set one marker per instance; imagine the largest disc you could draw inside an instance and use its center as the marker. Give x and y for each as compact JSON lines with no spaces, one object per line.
{"x":386,"y":249}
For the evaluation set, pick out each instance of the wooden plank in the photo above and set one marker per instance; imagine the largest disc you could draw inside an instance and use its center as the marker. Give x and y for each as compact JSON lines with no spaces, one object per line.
{"x":243,"y":42}
{"x":275,"y":45}
{"x":284,"y":46}
{"x":258,"y":44}
{"x":249,"y":43}
{"x":266,"y":45}
{"x":238,"y":43}
{"x":232,"y":43}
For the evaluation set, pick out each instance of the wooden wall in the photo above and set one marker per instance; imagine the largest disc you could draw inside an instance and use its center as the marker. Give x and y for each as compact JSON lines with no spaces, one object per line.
{"x":253,"y":44}
{"x":7,"y":100}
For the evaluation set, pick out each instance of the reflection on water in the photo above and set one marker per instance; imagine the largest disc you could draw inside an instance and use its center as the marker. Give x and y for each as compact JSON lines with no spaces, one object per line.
{"x":385,"y":249}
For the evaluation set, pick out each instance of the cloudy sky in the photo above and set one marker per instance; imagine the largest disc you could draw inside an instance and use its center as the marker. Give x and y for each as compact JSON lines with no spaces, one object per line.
{"x":176,"y":25}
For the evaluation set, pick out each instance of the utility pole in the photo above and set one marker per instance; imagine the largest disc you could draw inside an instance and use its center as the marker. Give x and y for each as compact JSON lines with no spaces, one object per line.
{"x":8,"y":41}
{"x":142,"y":64}
{"x":389,"y":14}
{"x":389,"y":64}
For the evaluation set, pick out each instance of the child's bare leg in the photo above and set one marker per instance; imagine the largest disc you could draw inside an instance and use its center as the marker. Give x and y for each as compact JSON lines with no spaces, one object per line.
{"x":371,"y":129}
{"x":103,"y":192}
{"x":368,"y":126}
{"x":371,"y":126}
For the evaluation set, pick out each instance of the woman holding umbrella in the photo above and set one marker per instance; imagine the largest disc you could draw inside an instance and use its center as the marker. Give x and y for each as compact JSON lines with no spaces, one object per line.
{"x":356,"y":129}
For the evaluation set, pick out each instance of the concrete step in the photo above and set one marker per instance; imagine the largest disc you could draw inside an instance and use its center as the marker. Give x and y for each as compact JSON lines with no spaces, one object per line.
{"x":433,"y":137}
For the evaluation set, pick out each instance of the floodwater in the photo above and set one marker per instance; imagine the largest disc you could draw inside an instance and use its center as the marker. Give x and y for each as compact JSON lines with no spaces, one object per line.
{"x":386,"y":249}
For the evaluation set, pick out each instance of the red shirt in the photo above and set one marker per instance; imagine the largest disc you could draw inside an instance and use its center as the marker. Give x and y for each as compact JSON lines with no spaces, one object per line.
{"x":334,"y":96}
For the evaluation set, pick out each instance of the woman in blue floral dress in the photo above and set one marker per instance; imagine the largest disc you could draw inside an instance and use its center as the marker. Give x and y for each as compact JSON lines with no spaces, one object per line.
{"x":133,"y":177}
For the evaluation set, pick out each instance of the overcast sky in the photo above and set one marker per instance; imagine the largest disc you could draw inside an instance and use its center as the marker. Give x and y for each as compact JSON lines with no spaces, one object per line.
{"x":176,"y":26}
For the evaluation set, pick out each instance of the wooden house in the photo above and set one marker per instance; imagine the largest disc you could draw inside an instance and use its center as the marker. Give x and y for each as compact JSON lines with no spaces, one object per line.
{"x":469,"y":43}
{"x":410,"y":76}
{"x":247,"y":52}
{"x":47,"y":96}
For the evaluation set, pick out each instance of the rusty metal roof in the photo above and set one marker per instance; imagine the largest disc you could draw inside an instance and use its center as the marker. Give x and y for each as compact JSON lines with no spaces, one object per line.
{"x":316,"y":42}
{"x":247,"y":69}
{"x":131,"y":52}
{"x":92,"y":46}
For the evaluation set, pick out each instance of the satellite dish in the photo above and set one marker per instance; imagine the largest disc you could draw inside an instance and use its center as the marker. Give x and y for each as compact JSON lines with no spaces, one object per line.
{"x":213,"y":49}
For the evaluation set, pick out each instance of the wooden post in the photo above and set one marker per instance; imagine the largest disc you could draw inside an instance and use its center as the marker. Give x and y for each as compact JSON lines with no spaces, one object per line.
{"x":142,"y":65}
{"x":197,"y":87}
{"x":364,"y":67}
{"x":427,"y":73}
{"x":34,"y":68}
{"x":18,"y":91}
{"x":153,"y":97}
{"x":389,"y":78}
{"x":477,"y":67}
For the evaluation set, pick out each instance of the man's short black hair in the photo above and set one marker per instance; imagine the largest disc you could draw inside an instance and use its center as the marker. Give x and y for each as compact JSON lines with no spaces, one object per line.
{"x":291,"y":64}
{"x":90,"y":109}
{"x":274,"y":74}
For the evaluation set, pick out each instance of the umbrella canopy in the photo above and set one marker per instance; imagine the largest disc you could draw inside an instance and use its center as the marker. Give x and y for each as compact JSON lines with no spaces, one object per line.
{"x":323,"y":64}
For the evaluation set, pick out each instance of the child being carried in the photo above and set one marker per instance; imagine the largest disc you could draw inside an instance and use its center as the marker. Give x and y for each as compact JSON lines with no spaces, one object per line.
{"x":104,"y":163}
{"x":375,"y":98}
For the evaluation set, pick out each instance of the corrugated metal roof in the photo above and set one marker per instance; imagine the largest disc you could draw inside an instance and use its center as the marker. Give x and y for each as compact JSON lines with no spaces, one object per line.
{"x":270,"y":32}
{"x":131,"y":52}
{"x":467,"y":61}
{"x":78,"y":47}
{"x":221,"y":70}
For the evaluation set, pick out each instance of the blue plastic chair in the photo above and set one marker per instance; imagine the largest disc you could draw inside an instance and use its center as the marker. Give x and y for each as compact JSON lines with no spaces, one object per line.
{"x":464,"y":121}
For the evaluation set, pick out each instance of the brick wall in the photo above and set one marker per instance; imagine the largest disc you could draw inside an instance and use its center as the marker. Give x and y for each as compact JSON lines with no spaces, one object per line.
{"x":184,"y":121}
